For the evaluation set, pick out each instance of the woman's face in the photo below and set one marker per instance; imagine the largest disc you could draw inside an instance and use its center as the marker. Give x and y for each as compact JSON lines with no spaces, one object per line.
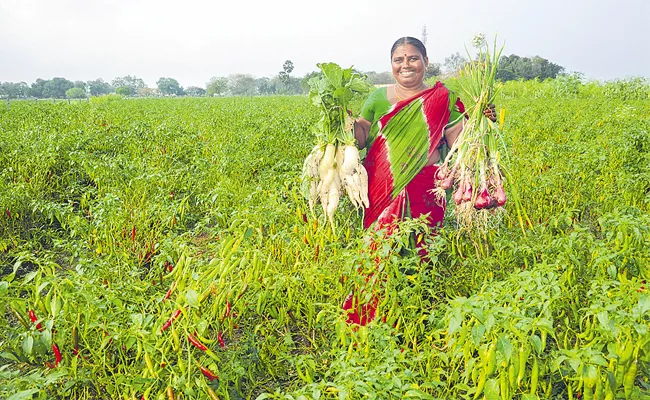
{"x":408,"y":66}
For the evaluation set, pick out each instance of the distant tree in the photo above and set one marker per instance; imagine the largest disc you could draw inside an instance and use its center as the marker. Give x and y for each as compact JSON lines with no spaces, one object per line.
{"x":169,"y":87}
{"x":380,"y":78}
{"x":304,"y":82}
{"x":36,"y":89}
{"x":81,"y":85}
{"x":265,"y":86}
{"x":132,"y":82}
{"x":55,"y":88}
{"x":195,"y":91}
{"x":242,"y":85}
{"x":124,"y":91}
{"x":217,"y":85}
{"x":434,"y":69}
{"x":98,"y":87}
{"x":514,"y":67}
{"x":454,"y":62}
{"x":14,"y":90}
{"x":75,"y":93}
{"x":287,"y":68}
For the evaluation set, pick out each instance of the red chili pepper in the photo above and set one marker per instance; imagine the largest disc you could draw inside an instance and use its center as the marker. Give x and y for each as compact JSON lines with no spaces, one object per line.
{"x":208,"y":374}
{"x":34,"y":319}
{"x":169,"y":292}
{"x":57,"y":354}
{"x":167,"y":324}
{"x":227,"y":309}
{"x":220,"y":339}
{"x":8,"y":213}
{"x":196,"y":342}
{"x":133,"y":234}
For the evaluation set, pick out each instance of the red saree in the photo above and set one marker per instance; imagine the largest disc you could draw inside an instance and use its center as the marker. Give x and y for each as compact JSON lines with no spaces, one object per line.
{"x":399,"y":180}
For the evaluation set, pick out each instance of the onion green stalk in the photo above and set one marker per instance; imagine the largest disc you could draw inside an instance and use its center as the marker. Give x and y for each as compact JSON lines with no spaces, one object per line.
{"x":473,"y":163}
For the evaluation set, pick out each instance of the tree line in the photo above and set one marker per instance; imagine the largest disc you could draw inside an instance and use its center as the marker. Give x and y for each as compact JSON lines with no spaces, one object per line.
{"x":512,"y":67}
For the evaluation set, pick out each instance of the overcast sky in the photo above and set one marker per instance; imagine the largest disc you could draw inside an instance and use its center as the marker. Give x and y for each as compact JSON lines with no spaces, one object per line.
{"x":193,"y":40}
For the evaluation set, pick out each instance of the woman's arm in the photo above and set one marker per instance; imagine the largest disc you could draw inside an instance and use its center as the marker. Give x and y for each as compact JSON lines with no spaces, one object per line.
{"x":361,"y":129}
{"x":451,"y":133}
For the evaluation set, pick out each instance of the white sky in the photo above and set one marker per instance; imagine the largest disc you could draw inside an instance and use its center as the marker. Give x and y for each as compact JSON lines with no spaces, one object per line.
{"x":193,"y":40}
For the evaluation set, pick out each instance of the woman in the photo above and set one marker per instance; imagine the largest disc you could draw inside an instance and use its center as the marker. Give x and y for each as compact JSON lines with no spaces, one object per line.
{"x":405,"y":128}
{"x":409,"y":63}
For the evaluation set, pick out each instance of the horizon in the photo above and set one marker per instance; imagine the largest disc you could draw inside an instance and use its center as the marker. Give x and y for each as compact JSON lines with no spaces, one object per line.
{"x":200,"y":40}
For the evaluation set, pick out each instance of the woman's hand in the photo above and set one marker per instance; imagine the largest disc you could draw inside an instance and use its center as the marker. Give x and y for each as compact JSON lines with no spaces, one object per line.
{"x":361,"y":129}
{"x":491,"y":112}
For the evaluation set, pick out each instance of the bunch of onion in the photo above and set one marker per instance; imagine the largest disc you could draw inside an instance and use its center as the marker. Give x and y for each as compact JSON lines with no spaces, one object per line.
{"x":334,"y":164}
{"x":472,"y":166}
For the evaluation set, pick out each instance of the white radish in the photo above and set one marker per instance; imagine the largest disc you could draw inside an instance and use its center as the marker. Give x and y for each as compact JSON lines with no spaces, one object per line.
{"x":327,"y":162}
{"x":316,"y":155}
{"x":363,"y":186}
{"x":313,"y":194}
{"x":333,"y":200}
{"x":350,"y":161}
{"x":340,"y":156}
{"x":351,"y":189}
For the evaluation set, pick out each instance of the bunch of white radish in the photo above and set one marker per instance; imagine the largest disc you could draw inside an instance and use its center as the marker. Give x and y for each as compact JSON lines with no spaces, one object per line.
{"x":334,"y":164}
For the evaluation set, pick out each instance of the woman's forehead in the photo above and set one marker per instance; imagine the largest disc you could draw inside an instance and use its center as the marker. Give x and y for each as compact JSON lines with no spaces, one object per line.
{"x":406,"y":50}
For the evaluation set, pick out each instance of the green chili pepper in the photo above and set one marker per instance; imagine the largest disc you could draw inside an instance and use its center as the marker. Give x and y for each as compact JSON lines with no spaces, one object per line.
{"x":628,"y":380}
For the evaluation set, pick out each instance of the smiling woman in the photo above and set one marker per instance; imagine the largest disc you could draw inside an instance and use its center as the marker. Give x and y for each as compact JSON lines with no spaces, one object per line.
{"x":404,"y":127}
{"x":416,"y":146}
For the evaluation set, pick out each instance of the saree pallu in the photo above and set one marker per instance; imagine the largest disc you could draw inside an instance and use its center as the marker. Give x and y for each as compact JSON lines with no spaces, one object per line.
{"x":398,"y":178}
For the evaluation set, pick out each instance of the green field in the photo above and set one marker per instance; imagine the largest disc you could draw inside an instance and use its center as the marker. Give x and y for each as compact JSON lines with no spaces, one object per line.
{"x":116,"y":214}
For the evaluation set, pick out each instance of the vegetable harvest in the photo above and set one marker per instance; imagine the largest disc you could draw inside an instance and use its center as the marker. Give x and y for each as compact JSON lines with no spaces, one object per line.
{"x":334,"y":163}
{"x":473,"y":162}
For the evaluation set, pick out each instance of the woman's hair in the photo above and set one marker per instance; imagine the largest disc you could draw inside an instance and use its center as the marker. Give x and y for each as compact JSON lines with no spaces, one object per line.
{"x":412,"y":41}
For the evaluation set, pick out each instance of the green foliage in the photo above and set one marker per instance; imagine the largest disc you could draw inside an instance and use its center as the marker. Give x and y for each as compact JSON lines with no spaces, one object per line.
{"x":454,"y":62}
{"x":75,"y":93}
{"x":36,"y":88}
{"x":630,"y":89}
{"x":217,"y":86}
{"x":265,"y":86}
{"x":169,"y":87}
{"x":133,"y":83}
{"x":195,"y":91}
{"x":380,"y":78}
{"x":13,"y":90}
{"x":433,"y":69}
{"x":241,"y":85}
{"x":56,"y":88}
{"x":287,"y":68}
{"x":98,"y":87}
{"x":332,"y":92}
{"x":108,"y":204}
{"x":124,"y":91}
{"x":514,"y":67}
